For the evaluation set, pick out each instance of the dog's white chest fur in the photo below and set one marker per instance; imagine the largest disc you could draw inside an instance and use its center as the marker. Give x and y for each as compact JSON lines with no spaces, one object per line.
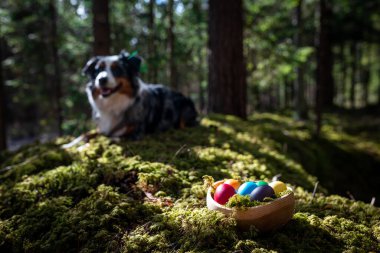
{"x":109,"y":111}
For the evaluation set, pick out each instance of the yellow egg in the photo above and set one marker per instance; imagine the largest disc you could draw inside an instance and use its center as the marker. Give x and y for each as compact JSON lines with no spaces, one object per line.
{"x":278,"y":186}
{"x":233,"y":182}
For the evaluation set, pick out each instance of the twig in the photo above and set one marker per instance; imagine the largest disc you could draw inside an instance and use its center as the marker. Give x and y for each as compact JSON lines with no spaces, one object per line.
{"x":178,"y":151}
{"x":73,"y":143}
{"x":18,"y":164}
{"x":130,"y":149}
{"x":373,"y":200}
{"x":315,"y":189}
{"x":350,"y":195}
{"x":276,"y":177}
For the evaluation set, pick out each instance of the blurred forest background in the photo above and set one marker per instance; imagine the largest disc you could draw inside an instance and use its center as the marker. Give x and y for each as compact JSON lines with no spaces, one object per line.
{"x":304,"y":56}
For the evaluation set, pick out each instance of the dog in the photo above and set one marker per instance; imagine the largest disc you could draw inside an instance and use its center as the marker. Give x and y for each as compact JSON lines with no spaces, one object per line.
{"x":124,"y":106}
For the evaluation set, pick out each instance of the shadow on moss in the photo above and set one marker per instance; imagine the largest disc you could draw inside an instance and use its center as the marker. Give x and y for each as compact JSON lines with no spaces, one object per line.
{"x":334,"y":158}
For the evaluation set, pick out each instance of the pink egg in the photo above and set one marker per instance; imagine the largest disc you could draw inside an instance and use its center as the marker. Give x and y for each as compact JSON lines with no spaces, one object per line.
{"x":223,"y":193}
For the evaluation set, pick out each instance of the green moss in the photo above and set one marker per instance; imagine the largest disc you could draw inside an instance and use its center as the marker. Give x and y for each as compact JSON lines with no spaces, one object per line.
{"x":183,"y":230}
{"x":242,"y":202}
{"x":149,"y":196}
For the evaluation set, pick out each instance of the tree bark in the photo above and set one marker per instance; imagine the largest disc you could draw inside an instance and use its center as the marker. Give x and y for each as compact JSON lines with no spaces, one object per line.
{"x":171,"y":47}
{"x":300,"y":102}
{"x":197,"y":12}
{"x":343,"y":90}
{"x":152,"y":44}
{"x":3,"y":136}
{"x":325,"y":56}
{"x":322,"y":68}
{"x":56,"y":77}
{"x":227,"y":75}
{"x":366,"y":76}
{"x":101,"y":27}
{"x":378,"y":85}
{"x":353,"y":50}
{"x":365,"y":81}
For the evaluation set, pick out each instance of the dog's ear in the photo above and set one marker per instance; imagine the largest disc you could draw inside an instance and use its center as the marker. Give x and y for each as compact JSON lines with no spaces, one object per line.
{"x":132,"y":62}
{"x":89,"y":68}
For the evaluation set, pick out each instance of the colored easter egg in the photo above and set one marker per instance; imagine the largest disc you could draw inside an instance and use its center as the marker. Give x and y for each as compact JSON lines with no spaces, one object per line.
{"x":261,"y":192}
{"x":261,"y":183}
{"x":278,"y":186}
{"x":223,"y":193}
{"x":233,"y":182}
{"x":247,"y":188}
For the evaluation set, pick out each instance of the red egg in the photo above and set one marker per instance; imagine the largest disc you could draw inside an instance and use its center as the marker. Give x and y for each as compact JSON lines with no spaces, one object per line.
{"x":223,"y":193}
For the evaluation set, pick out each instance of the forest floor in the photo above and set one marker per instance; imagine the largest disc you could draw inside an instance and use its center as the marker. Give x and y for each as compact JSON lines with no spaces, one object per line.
{"x":148,"y":195}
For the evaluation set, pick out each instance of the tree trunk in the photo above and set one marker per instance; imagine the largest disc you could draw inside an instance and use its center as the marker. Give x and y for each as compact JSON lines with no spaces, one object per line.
{"x":366,"y":76}
{"x":378,"y":76}
{"x":101,"y":27}
{"x":353,"y":50}
{"x":365,"y":81}
{"x":3,"y":136}
{"x":171,"y":47}
{"x":300,"y":102}
{"x":197,"y":12}
{"x":324,"y":65}
{"x":344,"y":76}
{"x":152,"y":44}
{"x":325,"y":56}
{"x":56,"y":77}
{"x":227,"y":75}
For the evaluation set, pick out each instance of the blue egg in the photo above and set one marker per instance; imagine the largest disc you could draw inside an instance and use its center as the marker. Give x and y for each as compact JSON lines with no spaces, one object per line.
{"x":261,"y":192}
{"x":247,"y":188}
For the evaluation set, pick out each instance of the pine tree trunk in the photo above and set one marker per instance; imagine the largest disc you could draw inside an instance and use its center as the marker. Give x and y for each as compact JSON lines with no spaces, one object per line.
{"x":171,"y":47}
{"x":366,"y":76}
{"x":56,"y":77}
{"x":197,"y":12}
{"x":353,"y":50}
{"x":378,"y":76}
{"x":365,"y":81}
{"x":227,"y":75}
{"x":152,"y":44}
{"x":3,"y":136}
{"x":101,"y":27}
{"x":325,"y":56}
{"x":322,"y":55}
{"x":344,"y":77}
{"x":300,"y":102}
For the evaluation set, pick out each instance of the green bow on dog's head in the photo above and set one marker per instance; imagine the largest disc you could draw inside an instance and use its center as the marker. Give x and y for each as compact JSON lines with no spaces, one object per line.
{"x":133,"y":61}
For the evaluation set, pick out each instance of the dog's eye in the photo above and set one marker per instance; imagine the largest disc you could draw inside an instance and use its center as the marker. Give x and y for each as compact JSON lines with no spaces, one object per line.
{"x":100,"y":67}
{"x":117,"y":71}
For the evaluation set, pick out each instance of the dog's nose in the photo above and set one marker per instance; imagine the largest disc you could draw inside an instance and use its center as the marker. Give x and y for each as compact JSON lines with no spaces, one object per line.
{"x":103,"y":81}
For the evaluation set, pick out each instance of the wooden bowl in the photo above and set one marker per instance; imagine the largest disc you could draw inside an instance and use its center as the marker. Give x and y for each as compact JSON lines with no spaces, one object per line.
{"x":266,"y":218}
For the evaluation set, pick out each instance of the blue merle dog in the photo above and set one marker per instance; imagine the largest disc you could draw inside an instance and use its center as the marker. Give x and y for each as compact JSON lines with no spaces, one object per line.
{"x":124,"y":106}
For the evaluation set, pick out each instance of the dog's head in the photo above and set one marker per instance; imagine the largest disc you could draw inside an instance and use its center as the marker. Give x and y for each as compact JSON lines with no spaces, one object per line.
{"x":114,"y":74}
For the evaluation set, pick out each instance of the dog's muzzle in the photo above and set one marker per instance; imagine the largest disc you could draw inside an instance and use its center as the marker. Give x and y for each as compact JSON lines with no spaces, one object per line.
{"x":106,"y":92}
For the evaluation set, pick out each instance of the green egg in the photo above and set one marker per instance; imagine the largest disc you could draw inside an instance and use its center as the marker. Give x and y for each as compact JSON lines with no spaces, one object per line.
{"x":261,"y":183}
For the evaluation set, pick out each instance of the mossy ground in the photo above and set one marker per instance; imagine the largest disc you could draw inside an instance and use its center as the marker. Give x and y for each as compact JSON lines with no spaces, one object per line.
{"x":148,"y":196}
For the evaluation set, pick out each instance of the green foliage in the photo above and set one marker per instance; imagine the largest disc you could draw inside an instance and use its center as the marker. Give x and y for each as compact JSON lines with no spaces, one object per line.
{"x":148,"y":196}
